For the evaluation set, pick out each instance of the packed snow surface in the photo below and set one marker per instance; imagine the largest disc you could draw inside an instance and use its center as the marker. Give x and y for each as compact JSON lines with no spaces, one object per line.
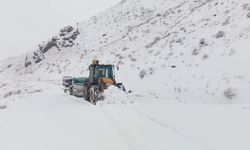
{"x":51,"y":119}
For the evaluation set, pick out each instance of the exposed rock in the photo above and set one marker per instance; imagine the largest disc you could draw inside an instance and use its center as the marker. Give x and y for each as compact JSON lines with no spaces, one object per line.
{"x":38,"y":56}
{"x":65,"y":39}
{"x":48,"y":45}
{"x":27,"y":63}
{"x":64,"y":31}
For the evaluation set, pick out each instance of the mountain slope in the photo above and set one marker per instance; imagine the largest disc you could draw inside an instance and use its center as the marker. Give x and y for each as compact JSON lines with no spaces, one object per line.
{"x":189,"y":51}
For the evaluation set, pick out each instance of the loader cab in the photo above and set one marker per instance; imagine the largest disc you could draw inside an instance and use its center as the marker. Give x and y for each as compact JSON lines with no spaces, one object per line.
{"x":100,"y":78}
{"x":98,"y":71}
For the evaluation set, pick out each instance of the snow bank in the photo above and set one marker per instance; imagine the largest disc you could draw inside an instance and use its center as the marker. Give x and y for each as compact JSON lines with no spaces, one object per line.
{"x":114,"y":95}
{"x":14,"y":90}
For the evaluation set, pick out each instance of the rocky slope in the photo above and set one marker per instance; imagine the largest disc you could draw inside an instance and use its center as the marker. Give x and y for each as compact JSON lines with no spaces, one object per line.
{"x":189,"y":51}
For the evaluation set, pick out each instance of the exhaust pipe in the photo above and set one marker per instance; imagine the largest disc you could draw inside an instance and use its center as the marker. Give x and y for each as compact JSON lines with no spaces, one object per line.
{"x":95,"y":62}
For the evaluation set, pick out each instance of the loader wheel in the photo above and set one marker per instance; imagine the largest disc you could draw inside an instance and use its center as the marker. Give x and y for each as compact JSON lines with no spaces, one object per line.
{"x":92,"y":96}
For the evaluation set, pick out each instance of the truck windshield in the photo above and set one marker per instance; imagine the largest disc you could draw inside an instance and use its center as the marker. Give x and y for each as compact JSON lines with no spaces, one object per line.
{"x":79,"y":81}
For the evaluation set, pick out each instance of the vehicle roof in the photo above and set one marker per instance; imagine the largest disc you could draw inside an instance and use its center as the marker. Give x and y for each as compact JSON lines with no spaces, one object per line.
{"x":67,"y":77}
{"x":101,"y":65}
{"x":80,"y":78}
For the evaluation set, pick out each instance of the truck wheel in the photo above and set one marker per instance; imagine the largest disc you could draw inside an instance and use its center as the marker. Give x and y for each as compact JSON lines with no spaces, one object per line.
{"x":86,"y":97}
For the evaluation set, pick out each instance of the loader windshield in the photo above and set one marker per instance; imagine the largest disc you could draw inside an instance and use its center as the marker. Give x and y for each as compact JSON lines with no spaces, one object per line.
{"x":104,"y":71}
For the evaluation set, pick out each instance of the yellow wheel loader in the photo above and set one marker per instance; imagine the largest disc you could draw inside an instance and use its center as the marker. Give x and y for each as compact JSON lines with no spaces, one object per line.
{"x":100,"y":78}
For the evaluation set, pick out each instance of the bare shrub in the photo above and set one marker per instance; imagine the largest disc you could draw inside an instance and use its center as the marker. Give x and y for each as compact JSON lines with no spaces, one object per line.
{"x":156,"y":40}
{"x":183,"y":29}
{"x":203,"y":42}
{"x":220,"y":34}
{"x":142,"y":74}
{"x":230,"y":93}
{"x":3,"y":85}
{"x":195,"y":52}
{"x":204,"y":57}
{"x":179,"y":40}
{"x":7,"y":94}
{"x":248,"y":15}
{"x":151,"y":71}
{"x":246,"y":6}
{"x":3,"y":106}
{"x":158,"y":15}
{"x":226,"y":22}
{"x":11,"y":93}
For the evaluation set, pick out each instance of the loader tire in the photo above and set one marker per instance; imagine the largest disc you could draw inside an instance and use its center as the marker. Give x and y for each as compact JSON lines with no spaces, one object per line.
{"x":92,"y":96}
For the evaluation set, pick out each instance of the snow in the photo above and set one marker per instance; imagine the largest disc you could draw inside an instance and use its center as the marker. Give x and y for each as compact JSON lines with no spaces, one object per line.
{"x":186,"y":63}
{"x":173,"y":42}
{"x":114,"y":95}
{"x":52,"y":120}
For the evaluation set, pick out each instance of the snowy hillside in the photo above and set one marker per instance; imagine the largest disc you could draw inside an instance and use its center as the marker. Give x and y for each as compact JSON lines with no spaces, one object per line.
{"x":185,"y":61}
{"x":185,"y":51}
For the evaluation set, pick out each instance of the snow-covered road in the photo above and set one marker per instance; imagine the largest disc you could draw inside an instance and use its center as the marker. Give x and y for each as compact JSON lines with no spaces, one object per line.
{"x":52,"y":120}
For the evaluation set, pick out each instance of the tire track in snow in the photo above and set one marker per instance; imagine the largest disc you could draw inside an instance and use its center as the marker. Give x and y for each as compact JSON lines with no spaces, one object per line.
{"x":126,"y":136}
{"x":141,"y":133}
{"x":176,"y":131}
